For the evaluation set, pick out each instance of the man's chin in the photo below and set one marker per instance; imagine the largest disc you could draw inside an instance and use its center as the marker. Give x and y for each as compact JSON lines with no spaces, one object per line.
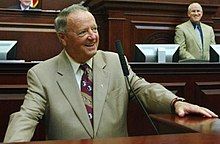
{"x":196,"y":20}
{"x":93,"y":52}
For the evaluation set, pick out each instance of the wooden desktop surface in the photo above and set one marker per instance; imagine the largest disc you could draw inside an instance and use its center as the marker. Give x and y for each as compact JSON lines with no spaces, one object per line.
{"x":191,"y":129}
{"x":189,"y":138}
{"x":171,"y":123}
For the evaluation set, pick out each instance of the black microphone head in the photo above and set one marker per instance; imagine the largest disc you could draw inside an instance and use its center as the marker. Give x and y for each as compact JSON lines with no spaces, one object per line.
{"x":120,"y":52}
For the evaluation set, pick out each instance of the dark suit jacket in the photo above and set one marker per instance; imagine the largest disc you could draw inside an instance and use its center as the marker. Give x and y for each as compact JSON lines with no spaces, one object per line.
{"x":53,"y":91}
{"x":17,"y":7}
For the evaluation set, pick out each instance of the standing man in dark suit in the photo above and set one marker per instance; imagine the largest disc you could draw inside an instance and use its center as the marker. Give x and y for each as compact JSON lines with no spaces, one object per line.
{"x":56,"y":88}
{"x":193,"y":36}
{"x":22,"y":5}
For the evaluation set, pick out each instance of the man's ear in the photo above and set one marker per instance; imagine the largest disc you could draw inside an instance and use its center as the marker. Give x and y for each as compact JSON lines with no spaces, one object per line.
{"x":62,"y":38}
{"x":188,"y":14}
{"x":202,"y":13}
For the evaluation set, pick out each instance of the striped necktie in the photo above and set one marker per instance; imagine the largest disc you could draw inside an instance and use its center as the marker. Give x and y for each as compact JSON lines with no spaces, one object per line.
{"x":87,"y":90}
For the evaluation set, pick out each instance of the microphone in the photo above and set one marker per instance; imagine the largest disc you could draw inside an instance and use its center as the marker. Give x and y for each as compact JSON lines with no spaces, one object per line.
{"x":121,"y":57}
{"x":124,"y":67}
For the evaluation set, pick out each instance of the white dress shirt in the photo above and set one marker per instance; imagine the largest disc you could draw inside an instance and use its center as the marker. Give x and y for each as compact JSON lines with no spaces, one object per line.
{"x":77,"y":71}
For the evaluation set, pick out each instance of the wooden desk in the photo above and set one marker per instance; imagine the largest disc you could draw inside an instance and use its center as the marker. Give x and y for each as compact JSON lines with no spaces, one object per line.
{"x":170,"y":123}
{"x":191,"y":138}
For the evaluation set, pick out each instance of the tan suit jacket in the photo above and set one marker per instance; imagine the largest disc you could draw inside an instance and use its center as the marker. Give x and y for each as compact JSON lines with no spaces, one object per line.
{"x":54,"y":93}
{"x":190,"y":47}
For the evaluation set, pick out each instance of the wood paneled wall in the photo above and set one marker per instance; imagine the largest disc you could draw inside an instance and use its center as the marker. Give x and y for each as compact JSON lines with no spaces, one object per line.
{"x":143,"y":21}
{"x":34,"y":32}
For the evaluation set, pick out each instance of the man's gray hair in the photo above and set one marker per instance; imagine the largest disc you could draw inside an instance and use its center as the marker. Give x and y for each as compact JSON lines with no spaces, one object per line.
{"x":61,"y":20}
{"x":190,"y":6}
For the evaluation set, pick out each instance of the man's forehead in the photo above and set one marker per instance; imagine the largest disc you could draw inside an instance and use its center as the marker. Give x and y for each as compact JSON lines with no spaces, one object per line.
{"x":80,"y":18}
{"x":195,"y":7}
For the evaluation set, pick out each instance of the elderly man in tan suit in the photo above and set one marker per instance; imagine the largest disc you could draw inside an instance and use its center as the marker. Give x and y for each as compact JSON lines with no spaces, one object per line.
{"x":193,"y":36}
{"x":54,"y":88}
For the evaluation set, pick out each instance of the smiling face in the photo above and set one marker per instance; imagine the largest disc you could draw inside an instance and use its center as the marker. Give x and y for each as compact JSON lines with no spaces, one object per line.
{"x":195,"y":12}
{"x":81,"y":38}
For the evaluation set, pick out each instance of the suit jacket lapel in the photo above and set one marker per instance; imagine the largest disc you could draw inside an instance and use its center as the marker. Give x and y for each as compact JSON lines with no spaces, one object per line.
{"x":68,"y":84}
{"x":193,"y":33}
{"x":101,"y":80}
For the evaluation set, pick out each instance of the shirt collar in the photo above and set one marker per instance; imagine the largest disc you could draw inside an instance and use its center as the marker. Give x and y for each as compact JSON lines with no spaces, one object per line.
{"x":23,"y":8}
{"x":76,"y":65}
{"x":196,"y":24}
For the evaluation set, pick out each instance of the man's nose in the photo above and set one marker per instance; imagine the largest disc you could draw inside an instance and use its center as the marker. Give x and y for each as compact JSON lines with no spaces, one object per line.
{"x":92,"y":35}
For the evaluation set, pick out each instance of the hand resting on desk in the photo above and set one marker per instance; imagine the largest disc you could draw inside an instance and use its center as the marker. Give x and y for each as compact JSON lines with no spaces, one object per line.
{"x":184,"y":108}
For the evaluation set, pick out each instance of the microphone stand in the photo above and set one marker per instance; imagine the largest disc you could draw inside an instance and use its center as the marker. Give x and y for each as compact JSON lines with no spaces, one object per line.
{"x":142,"y":106}
{"x":126,"y":73}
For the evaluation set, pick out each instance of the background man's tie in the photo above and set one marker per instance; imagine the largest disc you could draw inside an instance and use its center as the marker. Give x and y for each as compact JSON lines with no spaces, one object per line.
{"x":87,"y":90}
{"x":199,"y":34}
